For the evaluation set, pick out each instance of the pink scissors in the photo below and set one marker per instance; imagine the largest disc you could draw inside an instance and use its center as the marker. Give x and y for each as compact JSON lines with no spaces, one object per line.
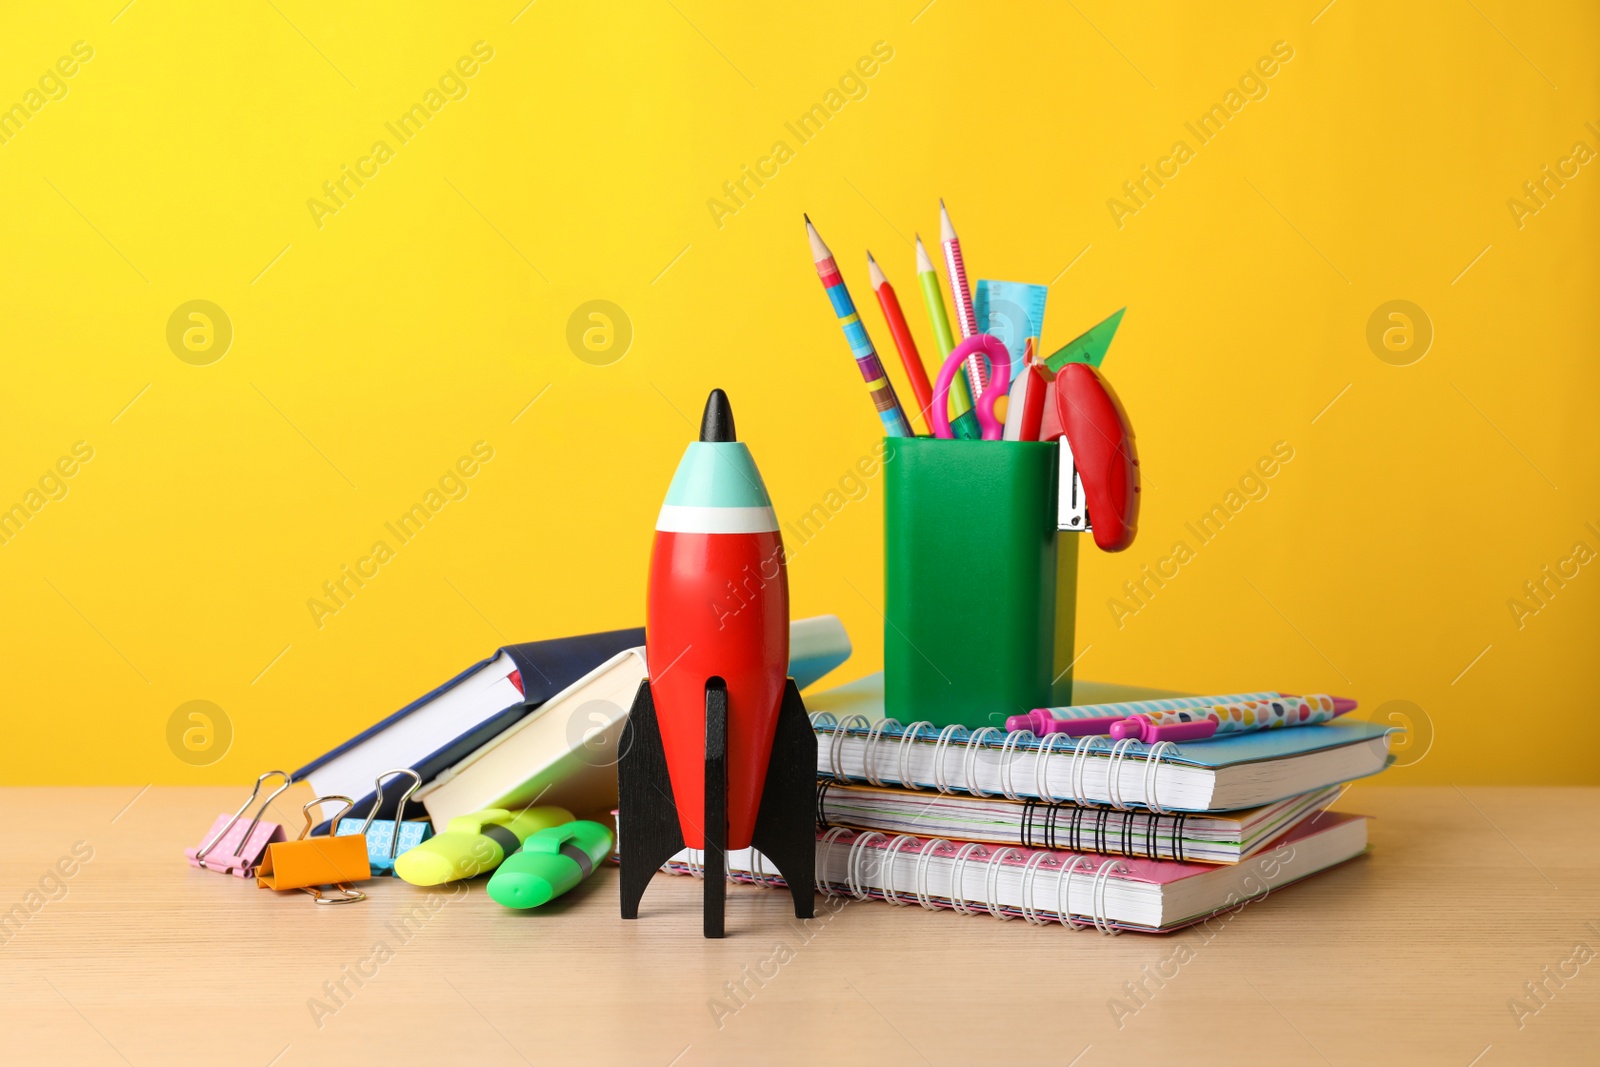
{"x":999,"y":385}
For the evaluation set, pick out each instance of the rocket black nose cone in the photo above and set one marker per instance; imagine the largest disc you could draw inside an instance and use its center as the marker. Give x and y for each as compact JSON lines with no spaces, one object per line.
{"x":717,"y":422}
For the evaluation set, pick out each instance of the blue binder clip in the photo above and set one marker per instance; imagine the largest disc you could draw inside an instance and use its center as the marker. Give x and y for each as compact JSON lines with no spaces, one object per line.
{"x":387,"y":838}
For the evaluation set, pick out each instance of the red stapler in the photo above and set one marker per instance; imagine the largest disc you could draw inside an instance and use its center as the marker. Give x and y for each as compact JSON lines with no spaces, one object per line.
{"x":1099,"y":467}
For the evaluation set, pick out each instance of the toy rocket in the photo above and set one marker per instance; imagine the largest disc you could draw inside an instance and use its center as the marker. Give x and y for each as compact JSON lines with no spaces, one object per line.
{"x":718,"y":606}
{"x":719,"y":753}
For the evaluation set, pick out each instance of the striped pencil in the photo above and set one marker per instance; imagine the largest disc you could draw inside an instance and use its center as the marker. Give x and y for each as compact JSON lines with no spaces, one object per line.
{"x":904,"y":343}
{"x":963,"y":420}
{"x":884,"y":399}
{"x":955,"y":268}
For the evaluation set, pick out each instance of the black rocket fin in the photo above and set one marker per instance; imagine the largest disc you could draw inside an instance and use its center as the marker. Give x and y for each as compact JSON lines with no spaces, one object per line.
{"x":785,"y":830}
{"x":716,"y":824}
{"x":645,"y":806}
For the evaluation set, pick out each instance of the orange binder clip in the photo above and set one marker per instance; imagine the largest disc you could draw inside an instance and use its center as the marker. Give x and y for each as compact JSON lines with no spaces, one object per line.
{"x":311,"y":863}
{"x":229,"y":850}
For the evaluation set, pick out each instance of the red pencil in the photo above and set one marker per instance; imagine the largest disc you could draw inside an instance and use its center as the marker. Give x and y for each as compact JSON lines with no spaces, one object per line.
{"x":904,"y":343}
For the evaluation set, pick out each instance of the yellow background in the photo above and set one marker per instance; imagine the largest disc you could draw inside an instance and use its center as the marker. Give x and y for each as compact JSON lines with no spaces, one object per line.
{"x":372,"y":352}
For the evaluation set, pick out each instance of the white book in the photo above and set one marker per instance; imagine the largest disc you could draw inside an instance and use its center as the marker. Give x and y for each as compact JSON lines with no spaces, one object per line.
{"x":564,"y":753}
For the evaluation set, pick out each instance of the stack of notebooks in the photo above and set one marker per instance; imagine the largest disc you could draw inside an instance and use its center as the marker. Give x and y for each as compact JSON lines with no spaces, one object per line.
{"x":984,"y":822}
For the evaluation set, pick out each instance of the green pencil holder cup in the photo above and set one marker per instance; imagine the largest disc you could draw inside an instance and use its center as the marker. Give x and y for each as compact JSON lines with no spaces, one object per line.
{"x":981,"y":588}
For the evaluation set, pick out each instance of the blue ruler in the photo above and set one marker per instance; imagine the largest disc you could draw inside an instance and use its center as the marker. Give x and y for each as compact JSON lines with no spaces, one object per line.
{"x":1013,"y":312}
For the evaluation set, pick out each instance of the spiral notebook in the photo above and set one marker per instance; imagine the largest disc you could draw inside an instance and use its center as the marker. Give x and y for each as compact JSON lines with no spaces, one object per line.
{"x":856,"y":743}
{"x":1222,"y":838}
{"x":1045,"y":886}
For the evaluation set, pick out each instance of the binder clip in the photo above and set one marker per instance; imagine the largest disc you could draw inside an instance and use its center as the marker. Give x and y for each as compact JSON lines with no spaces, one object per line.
{"x":229,"y":850}
{"x":311,"y":863}
{"x":387,"y":838}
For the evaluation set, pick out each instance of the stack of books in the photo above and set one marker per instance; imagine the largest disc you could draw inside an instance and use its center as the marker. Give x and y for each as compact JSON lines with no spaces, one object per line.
{"x":535,"y":723}
{"x":1071,"y":831}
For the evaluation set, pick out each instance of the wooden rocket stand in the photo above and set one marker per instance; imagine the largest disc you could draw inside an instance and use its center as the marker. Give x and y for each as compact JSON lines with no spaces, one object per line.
{"x":785,"y":823}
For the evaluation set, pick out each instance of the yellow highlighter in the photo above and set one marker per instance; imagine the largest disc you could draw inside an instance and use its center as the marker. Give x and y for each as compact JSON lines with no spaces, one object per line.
{"x":474,"y":844}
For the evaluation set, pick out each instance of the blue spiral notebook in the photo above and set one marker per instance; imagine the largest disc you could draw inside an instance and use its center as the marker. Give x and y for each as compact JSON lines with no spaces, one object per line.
{"x":855,"y":743}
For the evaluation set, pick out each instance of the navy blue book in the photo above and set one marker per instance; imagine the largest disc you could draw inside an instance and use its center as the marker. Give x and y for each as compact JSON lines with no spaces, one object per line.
{"x":443,"y":727}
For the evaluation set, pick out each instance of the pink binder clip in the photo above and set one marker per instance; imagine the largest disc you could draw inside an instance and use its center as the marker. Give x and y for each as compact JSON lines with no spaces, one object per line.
{"x":229,"y":848}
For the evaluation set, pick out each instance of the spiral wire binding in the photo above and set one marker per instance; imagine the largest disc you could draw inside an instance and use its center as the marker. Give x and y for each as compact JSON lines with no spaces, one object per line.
{"x":824,"y":720}
{"x":939,"y":750}
{"x":1009,"y":757}
{"x":836,"y":748}
{"x":1040,"y":828}
{"x":697,"y":867}
{"x":1056,"y":824}
{"x":1119,"y":754}
{"x":1080,"y":752}
{"x":1029,"y":874}
{"x":1101,"y":877}
{"x":906,"y":738}
{"x":870,"y":759}
{"x":828,"y":840}
{"x":893,"y":852}
{"x":924,"y":854}
{"x":867,"y":846}
{"x":969,"y":759}
{"x":991,"y":881}
{"x":856,"y":864}
{"x":1064,"y":893}
{"x":1041,"y":779}
{"x":758,"y":872}
{"x":958,"y":895}
{"x":1152,"y":765}
{"x":1011,"y":746}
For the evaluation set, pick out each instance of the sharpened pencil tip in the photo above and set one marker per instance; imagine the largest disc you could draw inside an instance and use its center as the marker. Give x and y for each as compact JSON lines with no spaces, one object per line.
{"x":875,"y":272}
{"x":819,"y":247}
{"x":806,"y":217}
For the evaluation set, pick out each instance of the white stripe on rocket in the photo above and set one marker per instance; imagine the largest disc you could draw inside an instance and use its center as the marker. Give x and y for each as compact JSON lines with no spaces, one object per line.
{"x":688,"y":518}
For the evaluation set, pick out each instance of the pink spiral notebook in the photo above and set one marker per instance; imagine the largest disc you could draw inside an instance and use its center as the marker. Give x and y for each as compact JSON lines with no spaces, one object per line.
{"x":1044,"y":886}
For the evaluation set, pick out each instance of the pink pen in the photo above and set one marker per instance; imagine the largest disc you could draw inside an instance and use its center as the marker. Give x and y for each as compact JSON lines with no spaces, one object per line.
{"x":1141,"y":728}
{"x":1244,"y":716}
{"x":1041,"y":722}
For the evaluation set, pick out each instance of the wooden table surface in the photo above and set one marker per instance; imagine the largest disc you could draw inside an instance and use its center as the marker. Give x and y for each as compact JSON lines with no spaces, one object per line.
{"x":1415,"y":953}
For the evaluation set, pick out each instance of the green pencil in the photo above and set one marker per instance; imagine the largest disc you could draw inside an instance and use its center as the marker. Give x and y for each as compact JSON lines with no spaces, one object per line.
{"x":964,"y":423}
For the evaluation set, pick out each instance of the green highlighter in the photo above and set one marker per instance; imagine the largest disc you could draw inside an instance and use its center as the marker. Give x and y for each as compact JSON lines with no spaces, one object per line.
{"x":550,"y":863}
{"x":474,"y":844}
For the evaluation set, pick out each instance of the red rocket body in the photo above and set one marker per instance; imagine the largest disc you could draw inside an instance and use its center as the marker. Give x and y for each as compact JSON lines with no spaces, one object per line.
{"x":718,"y":607}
